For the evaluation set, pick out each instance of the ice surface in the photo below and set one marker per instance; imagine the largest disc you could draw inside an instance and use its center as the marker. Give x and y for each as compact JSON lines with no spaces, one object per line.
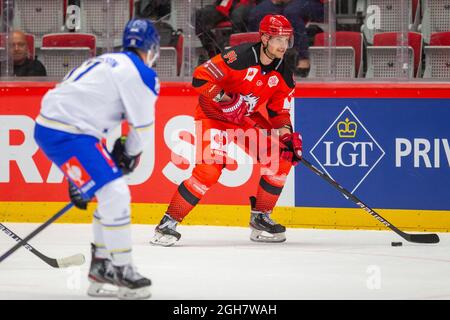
{"x":222,"y":263}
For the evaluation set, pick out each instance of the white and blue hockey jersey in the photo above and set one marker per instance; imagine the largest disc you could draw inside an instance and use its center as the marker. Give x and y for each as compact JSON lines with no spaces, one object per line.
{"x":94,"y":98}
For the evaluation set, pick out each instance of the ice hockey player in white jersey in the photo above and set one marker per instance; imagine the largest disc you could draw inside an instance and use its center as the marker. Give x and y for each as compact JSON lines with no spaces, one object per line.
{"x":84,"y":108}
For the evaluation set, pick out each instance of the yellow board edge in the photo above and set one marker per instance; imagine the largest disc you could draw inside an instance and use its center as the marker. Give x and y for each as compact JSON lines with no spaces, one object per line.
{"x":229,"y":215}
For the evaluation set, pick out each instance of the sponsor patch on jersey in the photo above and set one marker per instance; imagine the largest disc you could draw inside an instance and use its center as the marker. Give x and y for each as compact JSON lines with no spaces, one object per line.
{"x":76,"y":172}
{"x":273,"y":81}
{"x":251,"y":73}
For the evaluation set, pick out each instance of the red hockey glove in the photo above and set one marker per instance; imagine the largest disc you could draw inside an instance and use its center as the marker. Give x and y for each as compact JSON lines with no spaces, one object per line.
{"x":293,"y":150}
{"x":235,"y":109}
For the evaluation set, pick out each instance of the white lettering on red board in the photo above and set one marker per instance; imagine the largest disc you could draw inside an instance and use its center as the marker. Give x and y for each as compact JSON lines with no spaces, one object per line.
{"x":23,"y":153}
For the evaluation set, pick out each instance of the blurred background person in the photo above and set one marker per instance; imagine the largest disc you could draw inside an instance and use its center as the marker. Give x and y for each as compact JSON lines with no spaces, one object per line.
{"x":24,"y":65}
{"x":209,"y":16}
{"x":299,"y":13}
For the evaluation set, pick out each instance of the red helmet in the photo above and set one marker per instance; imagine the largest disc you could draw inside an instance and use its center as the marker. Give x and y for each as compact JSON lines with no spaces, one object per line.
{"x":275,"y":25}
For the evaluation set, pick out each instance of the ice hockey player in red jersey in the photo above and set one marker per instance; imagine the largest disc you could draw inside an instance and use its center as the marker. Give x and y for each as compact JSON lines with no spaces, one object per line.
{"x":239,"y":83}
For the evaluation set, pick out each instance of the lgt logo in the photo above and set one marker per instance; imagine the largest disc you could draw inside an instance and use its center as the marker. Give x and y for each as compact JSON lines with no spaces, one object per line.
{"x":347,"y":151}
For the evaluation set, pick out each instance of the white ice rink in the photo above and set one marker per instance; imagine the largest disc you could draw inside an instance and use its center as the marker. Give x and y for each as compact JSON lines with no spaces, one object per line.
{"x":222,"y":263}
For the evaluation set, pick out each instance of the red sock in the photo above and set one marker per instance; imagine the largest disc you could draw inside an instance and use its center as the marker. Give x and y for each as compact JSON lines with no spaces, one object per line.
{"x":185,"y":198}
{"x":267,"y":195}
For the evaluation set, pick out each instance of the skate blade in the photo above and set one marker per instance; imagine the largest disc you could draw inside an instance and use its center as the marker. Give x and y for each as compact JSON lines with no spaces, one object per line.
{"x":134,"y":294}
{"x":262,"y":236}
{"x":102,"y":290}
{"x":163,"y":240}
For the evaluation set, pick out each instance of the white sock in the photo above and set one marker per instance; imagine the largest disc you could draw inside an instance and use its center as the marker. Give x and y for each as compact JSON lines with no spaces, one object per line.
{"x":114,"y":213}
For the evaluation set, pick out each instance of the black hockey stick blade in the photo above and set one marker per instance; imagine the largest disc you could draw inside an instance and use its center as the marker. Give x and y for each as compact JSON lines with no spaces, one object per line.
{"x":422,"y":238}
{"x":75,"y":260}
{"x":417,"y":238}
{"x":23,"y":241}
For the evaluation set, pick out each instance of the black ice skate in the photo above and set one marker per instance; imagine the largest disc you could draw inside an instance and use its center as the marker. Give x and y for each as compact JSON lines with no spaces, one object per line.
{"x":131,"y":284}
{"x":264,"y":229}
{"x":165,"y":233}
{"x":101,"y":277}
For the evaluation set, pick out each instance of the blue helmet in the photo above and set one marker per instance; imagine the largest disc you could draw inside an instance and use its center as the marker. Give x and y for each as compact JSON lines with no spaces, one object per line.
{"x":140,"y":34}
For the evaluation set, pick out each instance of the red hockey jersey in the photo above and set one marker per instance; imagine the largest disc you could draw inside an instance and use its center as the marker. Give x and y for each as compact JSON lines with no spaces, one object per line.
{"x":238,"y":70}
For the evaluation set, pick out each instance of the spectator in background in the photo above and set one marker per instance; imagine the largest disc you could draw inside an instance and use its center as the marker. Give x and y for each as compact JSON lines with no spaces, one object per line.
{"x":154,"y":10}
{"x":298,"y":12}
{"x":158,"y":11}
{"x":74,"y":2}
{"x":264,"y":8}
{"x":23,"y":65}
{"x":208,"y":17}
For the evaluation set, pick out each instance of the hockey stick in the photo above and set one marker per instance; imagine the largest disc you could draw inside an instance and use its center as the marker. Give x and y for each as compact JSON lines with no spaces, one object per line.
{"x":417,"y":238}
{"x":75,"y":260}
{"x":22,"y":242}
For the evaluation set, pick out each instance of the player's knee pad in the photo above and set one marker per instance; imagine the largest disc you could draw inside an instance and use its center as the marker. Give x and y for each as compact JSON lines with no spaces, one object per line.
{"x":207,"y":174}
{"x":284,"y":167}
{"x":278,"y":178}
{"x":204,"y":176}
{"x":277,"y":173}
{"x":114,"y":202}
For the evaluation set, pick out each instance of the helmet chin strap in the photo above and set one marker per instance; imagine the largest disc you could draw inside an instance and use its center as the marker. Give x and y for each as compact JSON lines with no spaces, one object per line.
{"x":267,"y":53}
{"x":152,"y":56}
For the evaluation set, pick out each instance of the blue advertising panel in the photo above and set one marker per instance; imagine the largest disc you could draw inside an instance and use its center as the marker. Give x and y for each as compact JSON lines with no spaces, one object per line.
{"x":391,"y":153}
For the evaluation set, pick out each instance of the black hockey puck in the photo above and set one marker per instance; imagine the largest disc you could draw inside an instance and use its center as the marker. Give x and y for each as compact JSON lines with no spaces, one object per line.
{"x":396,"y":244}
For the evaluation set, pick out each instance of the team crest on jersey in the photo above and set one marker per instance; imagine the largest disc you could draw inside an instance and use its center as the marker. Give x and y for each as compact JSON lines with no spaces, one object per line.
{"x":251,"y":73}
{"x":273,"y":81}
{"x":77,"y":174}
{"x":251,"y":101}
{"x":259,"y":83}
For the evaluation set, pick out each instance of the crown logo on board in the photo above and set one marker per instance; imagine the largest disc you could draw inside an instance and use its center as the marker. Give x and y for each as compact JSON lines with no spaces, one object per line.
{"x":347,"y":128}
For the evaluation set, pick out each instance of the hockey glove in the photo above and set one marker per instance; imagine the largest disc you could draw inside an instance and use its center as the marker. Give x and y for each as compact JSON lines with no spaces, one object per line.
{"x":125,"y":162}
{"x":76,"y":197}
{"x":293,"y":150}
{"x":235,"y":109}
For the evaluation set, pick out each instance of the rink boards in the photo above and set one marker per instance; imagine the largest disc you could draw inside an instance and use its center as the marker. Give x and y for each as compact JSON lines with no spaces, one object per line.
{"x":387,"y":143}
